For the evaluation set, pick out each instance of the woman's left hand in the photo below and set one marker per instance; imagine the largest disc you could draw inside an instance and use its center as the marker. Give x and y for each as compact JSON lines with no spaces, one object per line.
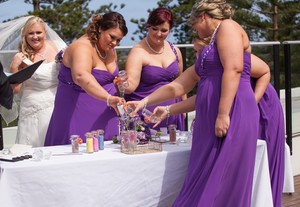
{"x":222,"y":125}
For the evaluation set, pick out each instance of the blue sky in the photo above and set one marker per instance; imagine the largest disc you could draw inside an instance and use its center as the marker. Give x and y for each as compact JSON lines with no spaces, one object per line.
{"x":134,"y":9}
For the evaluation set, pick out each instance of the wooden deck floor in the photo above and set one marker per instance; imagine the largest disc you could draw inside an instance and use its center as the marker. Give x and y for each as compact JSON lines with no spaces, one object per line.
{"x":292,"y":200}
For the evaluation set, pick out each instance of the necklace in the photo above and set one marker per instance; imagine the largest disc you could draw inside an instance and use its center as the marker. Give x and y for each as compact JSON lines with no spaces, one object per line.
{"x":99,"y":53}
{"x":163,"y":49}
{"x":210,"y":45}
{"x":42,"y":55}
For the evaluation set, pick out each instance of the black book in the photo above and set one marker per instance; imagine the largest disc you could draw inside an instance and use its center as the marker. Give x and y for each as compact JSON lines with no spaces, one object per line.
{"x":24,"y":74}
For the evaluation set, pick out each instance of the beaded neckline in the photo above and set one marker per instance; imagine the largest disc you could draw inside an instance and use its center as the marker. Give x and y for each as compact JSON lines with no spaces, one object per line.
{"x":212,"y":40}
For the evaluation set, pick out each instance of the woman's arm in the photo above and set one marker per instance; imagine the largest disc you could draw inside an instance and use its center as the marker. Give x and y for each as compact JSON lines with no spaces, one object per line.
{"x":231,"y":48}
{"x":16,"y":65}
{"x":162,"y":112}
{"x":80,"y":59}
{"x":260,"y":71}
{"x":180,"y":86}
{"x":133,"y":67}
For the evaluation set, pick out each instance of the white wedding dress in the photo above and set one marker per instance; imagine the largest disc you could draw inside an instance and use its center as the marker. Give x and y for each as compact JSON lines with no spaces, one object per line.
{"x":36,"y":105}
{"x":38,"y":92}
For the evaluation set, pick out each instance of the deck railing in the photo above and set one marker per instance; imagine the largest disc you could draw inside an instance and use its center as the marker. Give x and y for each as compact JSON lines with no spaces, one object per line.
{"x":272,"y":57}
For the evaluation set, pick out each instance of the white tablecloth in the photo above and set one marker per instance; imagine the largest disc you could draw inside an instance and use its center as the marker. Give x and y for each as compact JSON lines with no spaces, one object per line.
{"x":261,"y":189}
{"x":288,"y":186}
{"x":109,"y":178}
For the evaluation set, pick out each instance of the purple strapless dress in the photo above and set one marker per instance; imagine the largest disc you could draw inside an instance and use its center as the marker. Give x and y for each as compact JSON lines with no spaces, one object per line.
{"x":271,"y":130}
{"x":152,"y":78}
{"x":76,"y":112}
{"x":220,"y":170}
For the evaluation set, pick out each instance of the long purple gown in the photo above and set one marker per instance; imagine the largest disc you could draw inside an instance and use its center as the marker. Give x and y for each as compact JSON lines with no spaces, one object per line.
{"x":220,"y":170}
{"x":152,"y":78}
{"x":76,"y":112}
{"x":271,"y":130}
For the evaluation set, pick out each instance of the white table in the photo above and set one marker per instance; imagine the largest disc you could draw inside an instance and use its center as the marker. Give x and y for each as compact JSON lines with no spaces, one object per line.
{"x":109,"y":178}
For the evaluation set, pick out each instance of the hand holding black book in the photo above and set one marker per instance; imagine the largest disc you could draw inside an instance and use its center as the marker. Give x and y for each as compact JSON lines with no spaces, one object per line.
{"x":24,"y":74}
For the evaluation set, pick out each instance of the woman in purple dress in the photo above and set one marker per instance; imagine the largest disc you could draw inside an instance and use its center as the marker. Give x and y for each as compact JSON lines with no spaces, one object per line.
{"x":86,"y":92}
{"x":271,"y":121}
{"x":221,"y":165}
{"x":271,"y":129}
{"x":155,"y":62}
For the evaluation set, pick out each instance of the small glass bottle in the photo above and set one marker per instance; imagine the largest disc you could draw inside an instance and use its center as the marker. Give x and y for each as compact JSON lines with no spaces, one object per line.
{"x":75,"y":144}
{"x":172,"y":133}
{"x":100,"y":133}
{"x":124,"y":78}
{"x":95,"y":141}
{"x":89,"y":142}
{"x":148,"y":116}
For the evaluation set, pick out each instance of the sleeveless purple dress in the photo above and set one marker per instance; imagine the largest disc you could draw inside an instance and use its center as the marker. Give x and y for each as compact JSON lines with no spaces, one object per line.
{"x":152,"y":78}
{"x":271,"y":130}
{"x":220,"y":170}
{"x":76,"y":112}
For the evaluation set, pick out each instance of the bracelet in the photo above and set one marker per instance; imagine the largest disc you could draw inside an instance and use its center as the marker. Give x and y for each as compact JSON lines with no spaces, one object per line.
{"x":145,"y":104}
{"x":107,"y":100}
{"x":168,"y":110}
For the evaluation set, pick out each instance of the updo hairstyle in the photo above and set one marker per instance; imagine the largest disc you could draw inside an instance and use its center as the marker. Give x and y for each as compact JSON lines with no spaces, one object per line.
{"x":217,"y":9}
{"x":104,"y":22}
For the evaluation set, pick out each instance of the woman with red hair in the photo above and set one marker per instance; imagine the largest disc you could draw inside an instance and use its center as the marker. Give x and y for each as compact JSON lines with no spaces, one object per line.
{"x":155,"y":62}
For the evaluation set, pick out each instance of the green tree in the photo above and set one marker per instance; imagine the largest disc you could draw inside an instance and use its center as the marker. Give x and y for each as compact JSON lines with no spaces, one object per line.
{"x":68,"y":18}
{"x":263,"y":20}
{"x":269,"y":20}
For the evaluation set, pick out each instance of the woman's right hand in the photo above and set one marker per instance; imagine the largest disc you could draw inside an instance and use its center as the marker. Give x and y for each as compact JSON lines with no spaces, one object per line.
{"x":18,"y":60}
{"x":113,"y":101}
{"x":161,"y":113}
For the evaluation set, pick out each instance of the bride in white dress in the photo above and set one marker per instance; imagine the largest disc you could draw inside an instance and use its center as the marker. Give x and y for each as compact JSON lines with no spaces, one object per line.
{"x":38,"y":92}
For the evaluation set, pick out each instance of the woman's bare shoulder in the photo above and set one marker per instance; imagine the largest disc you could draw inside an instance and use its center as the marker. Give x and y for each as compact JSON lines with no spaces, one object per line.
{"x":233,"y":29}
{"x":138,"y":50}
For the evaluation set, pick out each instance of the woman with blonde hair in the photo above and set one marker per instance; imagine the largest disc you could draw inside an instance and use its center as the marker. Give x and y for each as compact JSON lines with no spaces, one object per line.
{"x":38,"y":92}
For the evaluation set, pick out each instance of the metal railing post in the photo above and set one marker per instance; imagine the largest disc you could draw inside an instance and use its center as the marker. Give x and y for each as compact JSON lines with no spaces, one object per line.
{"x":1,"y":134}
{"x":183,"y":53}
{"x":276,"y":74}
{"x":288,"y":94}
